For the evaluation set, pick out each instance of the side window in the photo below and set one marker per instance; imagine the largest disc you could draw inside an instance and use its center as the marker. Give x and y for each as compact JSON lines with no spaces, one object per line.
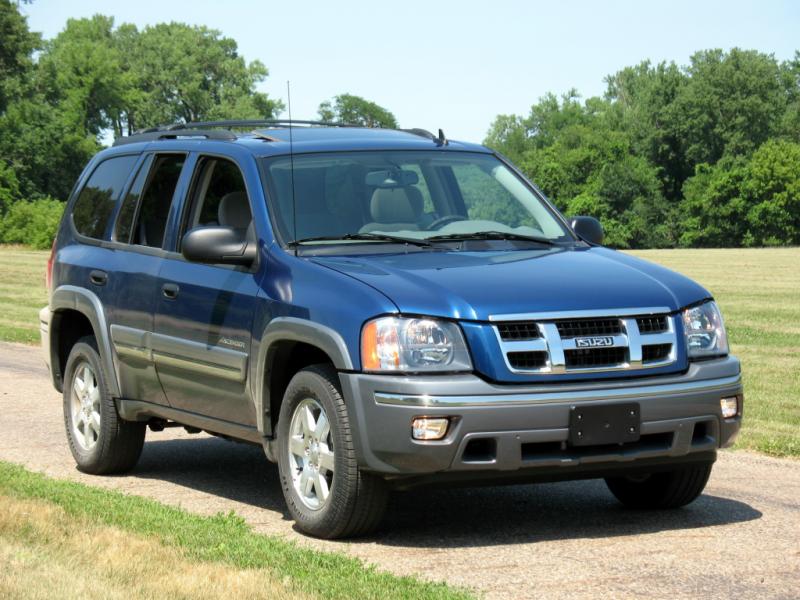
{"x":95,"y":204}
{"x":218,"y":197}
{"x":127,"y":212}
{"x":156,"y":199}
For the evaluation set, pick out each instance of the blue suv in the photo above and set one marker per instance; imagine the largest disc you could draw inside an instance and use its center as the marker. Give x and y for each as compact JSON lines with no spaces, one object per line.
{"x":379,"y":309}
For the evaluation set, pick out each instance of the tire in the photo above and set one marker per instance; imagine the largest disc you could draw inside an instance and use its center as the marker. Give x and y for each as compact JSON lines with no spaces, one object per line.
{"x":670,"y":489}
{"x":355,"y":501}
{"x":100,"y":441}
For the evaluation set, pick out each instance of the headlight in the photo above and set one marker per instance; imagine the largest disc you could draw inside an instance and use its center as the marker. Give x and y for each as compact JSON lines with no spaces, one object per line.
{"x":403,"y":344}
{"x":704,"y":330}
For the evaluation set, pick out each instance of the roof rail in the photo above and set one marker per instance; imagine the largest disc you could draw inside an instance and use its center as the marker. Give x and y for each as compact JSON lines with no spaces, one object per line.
{"x":150,"y":135}
{"x":211,"y":129}
{"x":255,"y":123}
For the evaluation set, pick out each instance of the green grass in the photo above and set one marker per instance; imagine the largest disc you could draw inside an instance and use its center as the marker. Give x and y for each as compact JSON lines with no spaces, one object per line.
{"x":22,"y":293}
{"x":757,"y":289}
{"x":222,"y":539}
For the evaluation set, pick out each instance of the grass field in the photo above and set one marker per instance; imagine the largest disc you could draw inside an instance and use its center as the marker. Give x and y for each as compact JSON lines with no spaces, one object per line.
{"x":61,"y":539}
{"x":757,"y":289}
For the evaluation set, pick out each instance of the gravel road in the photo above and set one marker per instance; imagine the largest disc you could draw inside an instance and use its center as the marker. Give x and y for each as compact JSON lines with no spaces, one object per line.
{"x":740,"y":539}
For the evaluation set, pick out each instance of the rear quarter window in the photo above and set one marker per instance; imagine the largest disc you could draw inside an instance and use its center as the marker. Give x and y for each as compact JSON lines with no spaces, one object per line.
{"x":95,"y":204}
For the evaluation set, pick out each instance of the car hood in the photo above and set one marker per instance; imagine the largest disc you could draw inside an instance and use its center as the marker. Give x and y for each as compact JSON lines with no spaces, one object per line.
{"x":475,"y":285}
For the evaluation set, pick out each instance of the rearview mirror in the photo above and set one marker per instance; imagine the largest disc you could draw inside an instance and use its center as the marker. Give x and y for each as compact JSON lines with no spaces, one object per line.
{"x":588,"y":229}
{"x":218,"y":246}
{"x":391,"y":178}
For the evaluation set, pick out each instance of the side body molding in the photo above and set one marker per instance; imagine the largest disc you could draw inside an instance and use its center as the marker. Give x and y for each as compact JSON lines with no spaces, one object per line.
{"x":292,"y":329}
{"x":70,"y":297}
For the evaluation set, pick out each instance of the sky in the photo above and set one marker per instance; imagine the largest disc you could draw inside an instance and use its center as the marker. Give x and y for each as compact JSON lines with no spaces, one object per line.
{"x":454,"y":65}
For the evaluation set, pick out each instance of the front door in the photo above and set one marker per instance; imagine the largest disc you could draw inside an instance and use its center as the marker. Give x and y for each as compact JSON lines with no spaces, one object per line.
{"x":201,"y":344}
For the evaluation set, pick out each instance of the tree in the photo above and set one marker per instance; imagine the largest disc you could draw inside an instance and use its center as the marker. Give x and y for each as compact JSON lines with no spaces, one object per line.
{"x":643,"y":105}
{"x":741,"y":202}
{"x":186,"y":73}
{"x":731,"y":104}
{"x":16,"y":49}
{"x":355,"y":110}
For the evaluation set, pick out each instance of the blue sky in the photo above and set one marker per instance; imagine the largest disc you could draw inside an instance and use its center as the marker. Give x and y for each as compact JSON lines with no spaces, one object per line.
{"x":454,"y":64}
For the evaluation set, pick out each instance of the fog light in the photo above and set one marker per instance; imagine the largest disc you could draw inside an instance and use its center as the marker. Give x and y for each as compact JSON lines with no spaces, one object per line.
{"x":729,"y":406}
{"x":427,"y":428}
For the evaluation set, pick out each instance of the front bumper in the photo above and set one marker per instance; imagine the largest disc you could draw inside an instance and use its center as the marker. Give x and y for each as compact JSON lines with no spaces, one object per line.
{"x":503,"y":428}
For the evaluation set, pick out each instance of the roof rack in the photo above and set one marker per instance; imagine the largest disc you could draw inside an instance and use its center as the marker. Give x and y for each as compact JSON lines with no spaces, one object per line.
{"x":255,"y":123}
{"x":211,"y":129}
{"x":221,"y":130}
{"x":163,"y":134}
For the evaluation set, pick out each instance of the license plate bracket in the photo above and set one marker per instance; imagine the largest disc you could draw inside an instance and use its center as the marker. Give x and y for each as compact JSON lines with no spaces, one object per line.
{"x":604,"y":424}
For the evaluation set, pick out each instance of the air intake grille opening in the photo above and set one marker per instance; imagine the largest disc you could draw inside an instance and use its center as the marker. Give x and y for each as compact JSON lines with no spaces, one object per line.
{"x":656,"y":352}
{"x":588,"y":327}
{"x":657,"y":324}
{"x":518,"y":331}
{"x":588,"y":358}
{"x":527,"y":360}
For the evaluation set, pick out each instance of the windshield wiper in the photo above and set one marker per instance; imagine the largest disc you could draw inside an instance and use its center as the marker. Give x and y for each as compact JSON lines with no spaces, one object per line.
{"x":368,"y":237}
{"x":491,"y":235}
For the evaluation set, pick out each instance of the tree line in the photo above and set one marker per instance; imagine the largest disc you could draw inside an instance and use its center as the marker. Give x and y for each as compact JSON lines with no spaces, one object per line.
{"x":706,"y":154}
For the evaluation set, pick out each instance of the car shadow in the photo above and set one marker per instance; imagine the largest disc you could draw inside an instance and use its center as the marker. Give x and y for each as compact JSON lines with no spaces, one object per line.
{"x":440,"y":518}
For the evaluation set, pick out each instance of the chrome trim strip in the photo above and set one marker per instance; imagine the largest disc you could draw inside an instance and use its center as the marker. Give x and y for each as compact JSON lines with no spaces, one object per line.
{"x":537,"y":398}
{"x":204,"y":368}
{"x":583,"y":314}
{"x":634,"y":342}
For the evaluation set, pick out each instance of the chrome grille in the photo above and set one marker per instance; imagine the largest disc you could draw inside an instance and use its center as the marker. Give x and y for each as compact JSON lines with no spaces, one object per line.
{"x":518,"y":331}
{"x":527,"y":360}
{"x":587,"y":327}
{"x":583,"y":341}
{"x":592,"y":358}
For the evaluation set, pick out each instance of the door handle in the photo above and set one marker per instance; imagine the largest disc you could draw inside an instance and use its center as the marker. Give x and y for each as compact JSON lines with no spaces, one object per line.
{"x":98,"y":277}
{"x":170,"y":290}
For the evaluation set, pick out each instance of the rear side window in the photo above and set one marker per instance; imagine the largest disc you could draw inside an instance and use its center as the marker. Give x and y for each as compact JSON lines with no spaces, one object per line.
{"x":156,"y":199}
{"x":95,"y":204}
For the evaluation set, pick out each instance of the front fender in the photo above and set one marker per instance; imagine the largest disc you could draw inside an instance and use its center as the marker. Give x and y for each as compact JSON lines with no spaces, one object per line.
{"x":283,"y":329}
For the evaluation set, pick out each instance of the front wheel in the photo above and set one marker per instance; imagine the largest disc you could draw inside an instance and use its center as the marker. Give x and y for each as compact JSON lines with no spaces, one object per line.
{"x":326,"y":493}
{"x":670,"y":489}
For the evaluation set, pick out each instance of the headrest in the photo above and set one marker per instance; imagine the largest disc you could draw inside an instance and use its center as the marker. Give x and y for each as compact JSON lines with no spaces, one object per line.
{"x":391,"y":205}
{"x":234,"y":210}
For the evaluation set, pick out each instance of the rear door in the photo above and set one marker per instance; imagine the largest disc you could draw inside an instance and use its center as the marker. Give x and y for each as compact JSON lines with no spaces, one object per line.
{"x":204,"y":312}
{"x":138,"y":242}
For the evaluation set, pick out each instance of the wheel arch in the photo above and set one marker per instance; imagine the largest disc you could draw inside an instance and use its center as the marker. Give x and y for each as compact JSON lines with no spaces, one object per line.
{"x":287,"y":345}
{"x":77,"y":312}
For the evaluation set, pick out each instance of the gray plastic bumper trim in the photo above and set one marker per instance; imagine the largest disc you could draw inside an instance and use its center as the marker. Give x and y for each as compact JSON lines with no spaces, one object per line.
{"x":645,"y":391}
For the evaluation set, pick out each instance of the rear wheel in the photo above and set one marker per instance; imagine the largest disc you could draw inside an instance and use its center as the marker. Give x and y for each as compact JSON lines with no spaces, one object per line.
{"x":670,"y":489}
{"x":100,"y":441}
{"x":326,"y":493}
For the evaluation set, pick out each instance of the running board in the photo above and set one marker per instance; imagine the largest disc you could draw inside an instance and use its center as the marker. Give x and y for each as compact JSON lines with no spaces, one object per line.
{"x":139,"y":410}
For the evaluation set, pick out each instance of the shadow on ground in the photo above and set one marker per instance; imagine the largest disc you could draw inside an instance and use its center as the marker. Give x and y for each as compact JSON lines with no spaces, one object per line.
{"x":461,"y":517}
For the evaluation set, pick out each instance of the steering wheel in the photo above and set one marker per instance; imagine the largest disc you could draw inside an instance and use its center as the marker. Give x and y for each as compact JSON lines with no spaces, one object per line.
{"x":441,"y":221}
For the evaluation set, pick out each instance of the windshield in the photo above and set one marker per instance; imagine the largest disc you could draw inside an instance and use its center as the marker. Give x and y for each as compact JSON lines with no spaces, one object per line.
{"x":348,"y":197}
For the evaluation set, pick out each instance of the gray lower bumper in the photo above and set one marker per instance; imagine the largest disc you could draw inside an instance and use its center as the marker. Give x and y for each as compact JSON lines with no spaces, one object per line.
{"x":526,"y":427}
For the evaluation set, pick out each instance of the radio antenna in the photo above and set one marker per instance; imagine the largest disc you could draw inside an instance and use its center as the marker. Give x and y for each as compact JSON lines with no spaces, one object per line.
{"x":291,"y":163}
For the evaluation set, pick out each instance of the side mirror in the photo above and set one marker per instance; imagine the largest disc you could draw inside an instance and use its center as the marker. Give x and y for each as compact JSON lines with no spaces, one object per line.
{"x":588,"y":229}
{"x":218,"y":246}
